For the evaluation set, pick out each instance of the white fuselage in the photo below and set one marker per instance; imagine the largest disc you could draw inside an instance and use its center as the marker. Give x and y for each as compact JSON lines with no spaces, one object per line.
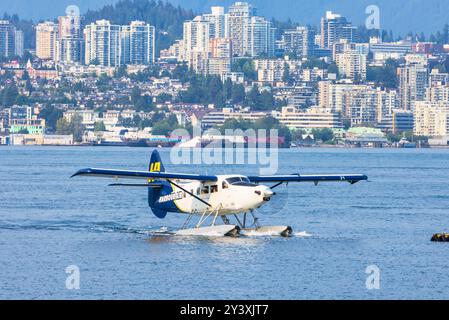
{"x":230,"y":194}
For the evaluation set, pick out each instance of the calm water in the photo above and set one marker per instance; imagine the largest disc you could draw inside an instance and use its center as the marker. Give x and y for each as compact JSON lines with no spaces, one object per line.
{"x":48,"y":221}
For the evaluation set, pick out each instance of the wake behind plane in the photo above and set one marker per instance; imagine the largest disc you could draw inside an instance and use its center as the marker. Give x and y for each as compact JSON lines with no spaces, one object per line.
{"x":212,"y":197}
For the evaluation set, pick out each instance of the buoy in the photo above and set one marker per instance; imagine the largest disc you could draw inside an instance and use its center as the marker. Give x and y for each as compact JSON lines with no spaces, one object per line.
{"x":440,"y":237}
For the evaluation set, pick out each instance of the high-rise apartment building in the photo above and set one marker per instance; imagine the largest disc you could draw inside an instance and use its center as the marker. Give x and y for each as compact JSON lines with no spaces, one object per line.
{"x":431,"y":119}
{"x":70,"y":45}
{"x":197,"y":35}
{"x":217,"y":19}
{"x":46,"y":37}
{"x":7,"y":39}
{"x":259,"y":38}
{"x":138,"y":43}
{"x":18,"y":43}
{"x":413,"y":79}
{"x":237,"y":20}
{"x":114,"y":45}
{"x":334,"y":27}
{"x":351,"y":65}
{"x":102,"y":44}
{"x":300,"y":41}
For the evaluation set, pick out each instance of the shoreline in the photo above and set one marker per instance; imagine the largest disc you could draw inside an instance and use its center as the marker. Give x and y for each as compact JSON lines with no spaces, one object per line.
{"x":323,"y":146}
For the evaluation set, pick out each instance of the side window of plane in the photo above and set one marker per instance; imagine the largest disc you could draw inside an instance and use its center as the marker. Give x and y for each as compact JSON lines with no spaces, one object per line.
{"x":224,"y":185}
{"x":198,"y":191}
{"x":213,"y":189}
{"x":205,"y":190}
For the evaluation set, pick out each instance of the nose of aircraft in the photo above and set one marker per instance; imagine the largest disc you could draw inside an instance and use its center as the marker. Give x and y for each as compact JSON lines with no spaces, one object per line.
{"x":265,"y":192}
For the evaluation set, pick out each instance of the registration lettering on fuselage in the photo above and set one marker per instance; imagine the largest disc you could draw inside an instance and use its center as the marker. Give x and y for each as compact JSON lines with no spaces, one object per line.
{"x":172,"y":196}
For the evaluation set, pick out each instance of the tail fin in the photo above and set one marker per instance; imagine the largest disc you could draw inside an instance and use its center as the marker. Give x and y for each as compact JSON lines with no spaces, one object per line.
{"x":156,"y":162}
{"x":154,"y":193}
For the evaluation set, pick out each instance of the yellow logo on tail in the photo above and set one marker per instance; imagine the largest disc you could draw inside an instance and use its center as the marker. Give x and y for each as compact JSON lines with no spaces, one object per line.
{"x":154,"y":167}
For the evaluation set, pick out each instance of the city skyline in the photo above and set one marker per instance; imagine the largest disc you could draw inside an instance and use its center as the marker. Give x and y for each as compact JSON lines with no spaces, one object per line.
{"x":423,"y":16}
{"x":226,"y":64}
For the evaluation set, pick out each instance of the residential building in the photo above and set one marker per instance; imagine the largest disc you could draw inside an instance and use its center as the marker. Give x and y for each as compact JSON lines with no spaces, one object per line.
{"x":352,"y":65}
{"x":46,"y":37}
{"x":431,"y":119}
{"x":300,"y":41}
{"x":102,"y":44}
{"x":389,"y":50}
{"x":22,"y":119}
{"x":138,"y":43}
{"x":7,"y":33}
{"x":437,"y":92}
{"x":236,"y":22}
{"x":196,"y":40}
{"x":313,"y":118}
{"x":272,"y":70}
{"x":403,"y":121}
{"x":314,"y":75}
{"x":437,"y":78}
{"x":219,"y":117}
{"x":217,"y":20}
{"x":357,"y":103}
{"x":69,"y":45}
{"x":18,"y":43}
{"x":386,"y":102}
{"x":413,"y":79}
{"x":259,"y":38}
{"x":335,"y":27}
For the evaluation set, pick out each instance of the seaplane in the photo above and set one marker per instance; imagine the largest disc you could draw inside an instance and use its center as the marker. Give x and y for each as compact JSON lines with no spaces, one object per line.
{"x":212,"y":198}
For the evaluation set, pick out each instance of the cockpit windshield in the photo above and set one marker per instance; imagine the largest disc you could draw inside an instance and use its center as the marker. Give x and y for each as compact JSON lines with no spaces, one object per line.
{"x":240,"y":181}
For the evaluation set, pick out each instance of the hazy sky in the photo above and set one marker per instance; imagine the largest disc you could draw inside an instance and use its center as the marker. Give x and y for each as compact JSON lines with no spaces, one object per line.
{"x":400,"y":15}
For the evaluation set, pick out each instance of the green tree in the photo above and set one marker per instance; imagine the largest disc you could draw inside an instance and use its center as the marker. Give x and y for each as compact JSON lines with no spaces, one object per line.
{"x":99,"y":126}
{"x":332,"y":68}
{"x":326,"y":135}
{"x":393,"y":138}
{"x":165,"y":126}
{"x":9,"y":95}
{"x":51,"y":116}
{"x":266,"y":101}
{"x":227,"y":89}
{"x":252,"y":99}
{"x":121,"y":72}
{"x":238,"y":94}
{"x":74,"y":127}
{"x":245,"y":65}
{"x":287,"y":77}
{"x":234,"y":124}
{"x":63,"y":126}
{"x":385,"y":76}
{"x":164,"y":97}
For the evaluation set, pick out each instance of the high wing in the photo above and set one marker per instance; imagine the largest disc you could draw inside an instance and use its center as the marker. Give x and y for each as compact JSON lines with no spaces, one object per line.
{"x":351,"y":178}
{"x":145,"y":175}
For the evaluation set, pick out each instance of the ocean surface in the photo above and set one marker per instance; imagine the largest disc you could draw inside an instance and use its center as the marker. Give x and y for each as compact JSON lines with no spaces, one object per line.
{"x":49,"y":222}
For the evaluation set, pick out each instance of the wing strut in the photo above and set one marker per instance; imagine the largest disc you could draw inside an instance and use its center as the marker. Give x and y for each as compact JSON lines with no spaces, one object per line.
{"x":193,"y":195}
{"x":276,"y":185}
